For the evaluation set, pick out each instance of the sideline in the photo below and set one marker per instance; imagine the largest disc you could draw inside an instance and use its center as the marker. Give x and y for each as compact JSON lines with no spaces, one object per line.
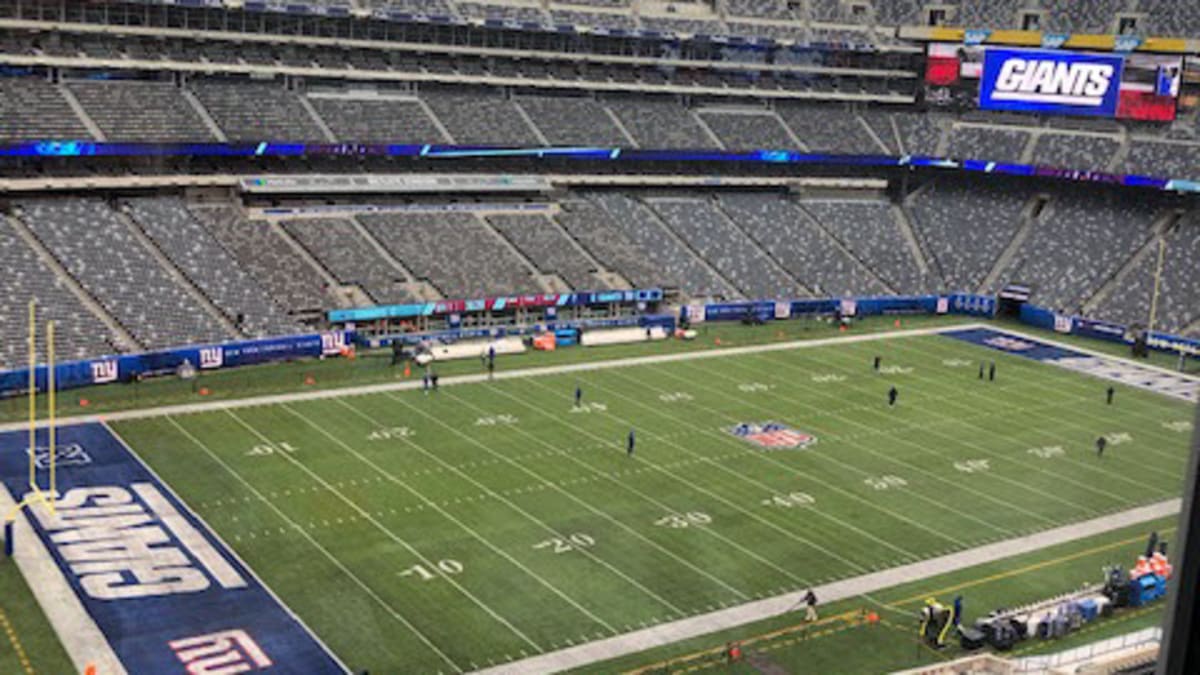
{"x":603,"y":364}
{"x":703,"y":624}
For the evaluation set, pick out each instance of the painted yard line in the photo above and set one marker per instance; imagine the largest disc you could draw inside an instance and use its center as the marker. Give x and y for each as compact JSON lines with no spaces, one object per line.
{"x":769,"y":523}
{"x":601,"y":364}
{"x":365,"y":515}
{"x":746,"y":450}
{"x":675,"y":631}
{"x":1072,"y":381}
{"x":965,"y":442}
{"x":954,"y":440}
{"x":917,"y":468}
{"x":731,"y":441}
{"x":596,"y":511}
{"x":1065,"y":420}
{"x":600,"y":475}
{"x":307,"y":537}
{"x":461,"y":525}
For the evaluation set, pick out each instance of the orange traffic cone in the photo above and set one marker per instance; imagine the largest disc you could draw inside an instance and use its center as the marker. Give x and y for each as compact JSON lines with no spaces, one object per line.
{"x":83,"y":403}
{"x":308,"y":379}
{"x":717,"y":341}
{"x":407,"y":369}
{"x":897,"y":324}
{"x":204,"y":391}
{"x":842,"y":328}
{"x":90,"y":670}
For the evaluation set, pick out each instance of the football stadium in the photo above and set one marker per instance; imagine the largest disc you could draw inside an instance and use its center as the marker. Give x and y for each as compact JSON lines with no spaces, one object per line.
{"x":599,"y":336}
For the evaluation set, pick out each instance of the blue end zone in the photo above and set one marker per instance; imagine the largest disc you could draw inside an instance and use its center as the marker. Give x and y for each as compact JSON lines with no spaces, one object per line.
{"x":986,"y":337}
{"x":168,"y":596}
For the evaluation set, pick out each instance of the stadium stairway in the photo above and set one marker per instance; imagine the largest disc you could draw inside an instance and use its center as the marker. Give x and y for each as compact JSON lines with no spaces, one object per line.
{"x":1149,"y":248}
{"x":178,"y":276}
{"x":123,"y":338}
{"x":1029,"y":217}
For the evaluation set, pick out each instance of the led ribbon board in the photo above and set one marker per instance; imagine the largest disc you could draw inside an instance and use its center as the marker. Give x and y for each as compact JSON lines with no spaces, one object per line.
{"x":1067,"y":83}
{"x":166,"y":595}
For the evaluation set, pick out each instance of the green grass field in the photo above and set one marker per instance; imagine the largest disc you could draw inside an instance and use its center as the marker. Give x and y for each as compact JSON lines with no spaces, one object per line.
{"x":487,"y":522}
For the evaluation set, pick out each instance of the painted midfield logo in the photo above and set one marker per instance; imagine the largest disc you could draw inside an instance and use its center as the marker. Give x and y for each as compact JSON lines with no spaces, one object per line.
{"x":772,"y":435}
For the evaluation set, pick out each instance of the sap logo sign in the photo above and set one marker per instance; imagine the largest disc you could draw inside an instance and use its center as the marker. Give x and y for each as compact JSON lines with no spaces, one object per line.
{"x":223,"y":653}
{"x":212,"y":357}
{"x":104,"y":371}
{"x":130,"y":542}
{"x":1050,"y":81}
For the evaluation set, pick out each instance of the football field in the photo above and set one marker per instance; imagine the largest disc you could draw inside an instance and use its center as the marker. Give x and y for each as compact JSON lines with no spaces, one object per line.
{"x":487,"y":522}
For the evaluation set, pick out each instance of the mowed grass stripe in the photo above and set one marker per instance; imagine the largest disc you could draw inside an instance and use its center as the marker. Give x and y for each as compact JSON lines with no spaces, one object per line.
{"x":1166,"y":465}
{"x":541,"y":504}
{"x":1130,"y":401}
{"x":1046,"y":485}
{"x":751,"y":489}
{"x":605,"y":477}
{"x":909,"y":414}
{"x":480,"y":596}
{"x":346,"y":600}
{"x":508,"y":602}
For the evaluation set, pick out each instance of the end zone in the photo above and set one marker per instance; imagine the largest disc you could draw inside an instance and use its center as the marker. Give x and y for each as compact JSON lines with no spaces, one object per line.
{"x":133,"y":581}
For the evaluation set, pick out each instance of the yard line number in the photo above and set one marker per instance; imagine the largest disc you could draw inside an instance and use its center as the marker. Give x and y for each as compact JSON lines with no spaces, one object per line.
{"x":389,"y":433}
{"x":264,"y":449}
{"x":1047,"y":452}
{"x":568,"y":543}
{"x":496,"y":420}
{"x":973,"y":466}
{"x":885,"y":482}
{"x":675,"y":396}
{"x":790,"y":500}
{"x":423,"y":573}
{"x":754,"y":387}
{"x":589,"y":408}
{"x":680,"y":521}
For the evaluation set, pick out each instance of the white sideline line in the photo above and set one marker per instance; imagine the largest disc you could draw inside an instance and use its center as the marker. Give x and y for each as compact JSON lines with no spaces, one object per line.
{"x":186,"y":408}
{"x":683,"y":629}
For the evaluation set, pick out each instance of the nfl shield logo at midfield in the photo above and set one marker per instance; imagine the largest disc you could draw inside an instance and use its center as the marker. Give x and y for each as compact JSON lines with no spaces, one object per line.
{"x":772,"y":435}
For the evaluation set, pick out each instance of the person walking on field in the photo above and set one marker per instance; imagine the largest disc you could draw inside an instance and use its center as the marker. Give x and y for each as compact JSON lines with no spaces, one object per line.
{"x":810,"y":606}
{"x":1101,"y":443}
{"x":1110,"y":393}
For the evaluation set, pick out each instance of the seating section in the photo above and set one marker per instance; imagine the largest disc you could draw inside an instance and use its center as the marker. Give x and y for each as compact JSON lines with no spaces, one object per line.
{"x":480,"y":118}
{"x":141,"y":112}
{"x":919,"y":133}
{"x":502,"y":12}
{"x":640,"y":225}
{"x":219,"y":275}
{"x":1075,"y":151}
{"x":573,"y":121}
{"x":31,"y":109}
{"x":777,"y":225}
{"x":990,"y":143}
{"x":594,"y":229}
{"x":101,"y":252}
{"x":1079,"y":242}
{"x":869,"y":230}
{"x":748,"y":130}
{"x":78,"y":334}
{"x":725,"y":247}
{"x":763,"y":9}
{"x":1179,"y":285}
{"x":257,"y":111}
{"x":829,"y":128}
{"x":285,"y":275}
{"x":659,"y":123}
{"x":377,"y":120}
{"x":550,"y":251}
{"x":453,"y":251}
{"x":1154,"y":158}
{"x":966,"y":226}
{"x":338,"y":245}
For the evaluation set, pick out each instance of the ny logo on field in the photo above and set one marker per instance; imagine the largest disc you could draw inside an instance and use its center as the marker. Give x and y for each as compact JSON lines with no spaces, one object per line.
{"x":212,"y":357}
{"x":1008,"y":344}
{"x":104,"y":371}
{"x":223,"y":653}
{"x":64,"y":455}
{"x":772,"y":435}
